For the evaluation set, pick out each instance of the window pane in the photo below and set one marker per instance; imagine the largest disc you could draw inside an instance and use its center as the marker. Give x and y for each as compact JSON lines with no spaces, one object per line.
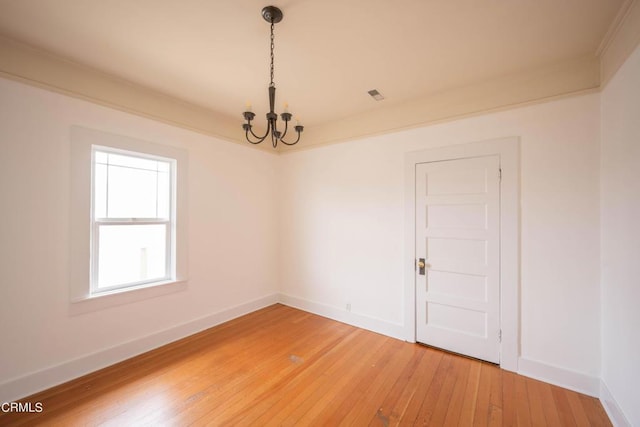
{"x":164,"y":166}
{"x":133,"y":162}
{"x":164,"y":194}
{"x":132,"y":193}
{"x":131,"y":187}
{"x":131,"y":253}
{"x":101,"y":157}
{"x":100,"y":191}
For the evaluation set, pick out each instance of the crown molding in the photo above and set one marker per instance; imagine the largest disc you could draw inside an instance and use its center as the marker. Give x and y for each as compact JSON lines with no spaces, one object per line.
{"x":572,"y":77}
{"x":21,"y":62}
{"x":24,"y":63}
{"x":614,"y":27}
{"x":620,"y":41}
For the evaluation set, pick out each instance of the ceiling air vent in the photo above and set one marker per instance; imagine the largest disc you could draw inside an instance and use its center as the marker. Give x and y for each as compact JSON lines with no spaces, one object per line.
{"x":376,"y":95}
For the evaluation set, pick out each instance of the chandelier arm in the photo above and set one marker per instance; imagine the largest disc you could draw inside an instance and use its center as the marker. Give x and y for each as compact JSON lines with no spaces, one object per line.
{"x":254,"y":142}
{"x":259,"y":138}
{"x":286,"y":128}
{"x":291,"y":143}
{"x":250,"y":141}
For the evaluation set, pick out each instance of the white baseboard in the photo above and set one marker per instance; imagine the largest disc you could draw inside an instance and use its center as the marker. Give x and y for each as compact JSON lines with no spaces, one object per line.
{"x":572,"y":380}
{"x":617,"y":417}
{"x":380,"y":326}
{"x":32,"y":383}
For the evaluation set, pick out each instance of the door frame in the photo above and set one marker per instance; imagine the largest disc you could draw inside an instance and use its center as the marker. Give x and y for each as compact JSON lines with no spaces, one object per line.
{"x":508,"y":150}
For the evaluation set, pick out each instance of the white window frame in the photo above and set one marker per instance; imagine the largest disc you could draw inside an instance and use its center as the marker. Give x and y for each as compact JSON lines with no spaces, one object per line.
{"x":169,"y":223}
{"x":82,"y":290}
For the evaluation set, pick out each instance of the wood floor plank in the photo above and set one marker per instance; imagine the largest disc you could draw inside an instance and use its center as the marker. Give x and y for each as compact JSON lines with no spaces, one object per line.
{"x":483,"y":398}
{"x":576,"y":408}
{"x":352,"y":393}
{"x":371,"y":402}
{"x":468,"y":409}
{"x":549,"y":407}
{"x":321,"y":406}
{"x":319,"y":386}
{"x":428,"y":380}
{"x":259,"y":378}
{"x":536,"y":409}
{"x":523,"y":408}
{"x":216,"y":372}
{"x":454,"y":410}
{"x":562,"y":404}
{"x":446,"y":397}
{"x":509,"y":399}
{"x":283,"y":366}
{"x":408,"y":404}
{"x":431,"y":400}
{"x":401,"y":384}
{"x":594,"y":411}
{"x":496,"y":398}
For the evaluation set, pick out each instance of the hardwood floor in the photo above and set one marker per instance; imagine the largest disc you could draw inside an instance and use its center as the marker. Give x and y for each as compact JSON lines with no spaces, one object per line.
{"x":282,"y":366}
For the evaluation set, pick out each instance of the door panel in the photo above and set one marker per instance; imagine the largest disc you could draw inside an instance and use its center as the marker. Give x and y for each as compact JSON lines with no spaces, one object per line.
{"x":456,"y":319}
{"x":457,"y":232}
{"x":471,"y":216}
{"x":458,"y":285}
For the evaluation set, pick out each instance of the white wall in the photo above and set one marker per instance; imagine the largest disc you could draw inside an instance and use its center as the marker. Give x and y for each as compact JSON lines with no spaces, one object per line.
{"x":336,"y":213}
{"x":232,"y":235}
{"x":342,"y":225}
{"x":620,"y":237}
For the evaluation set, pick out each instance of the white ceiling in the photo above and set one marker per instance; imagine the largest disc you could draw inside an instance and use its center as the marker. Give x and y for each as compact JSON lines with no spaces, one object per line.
{"x":329,"y":53}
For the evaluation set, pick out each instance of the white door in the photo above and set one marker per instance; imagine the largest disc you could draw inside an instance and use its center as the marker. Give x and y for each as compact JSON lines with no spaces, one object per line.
{"x":458,"y":236}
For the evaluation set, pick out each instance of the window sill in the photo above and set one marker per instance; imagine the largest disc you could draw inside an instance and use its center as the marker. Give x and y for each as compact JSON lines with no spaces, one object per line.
{"x":100,"y":301}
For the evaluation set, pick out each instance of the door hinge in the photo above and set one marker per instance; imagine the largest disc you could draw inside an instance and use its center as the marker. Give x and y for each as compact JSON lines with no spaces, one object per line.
{"x":500,"y":173}
{"x":500,"y":335}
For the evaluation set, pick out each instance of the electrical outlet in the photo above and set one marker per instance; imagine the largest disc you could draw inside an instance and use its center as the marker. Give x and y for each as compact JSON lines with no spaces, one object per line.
{"x":348,"y":306}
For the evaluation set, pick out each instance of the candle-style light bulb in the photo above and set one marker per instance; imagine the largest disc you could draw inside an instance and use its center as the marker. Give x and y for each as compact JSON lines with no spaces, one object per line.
{"x":249,"y":107}
{"x":286,"y":107}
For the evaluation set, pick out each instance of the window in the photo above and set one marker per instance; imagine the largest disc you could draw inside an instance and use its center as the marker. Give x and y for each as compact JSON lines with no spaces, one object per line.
{"x":132,"y":219}
{"x":128,"y":212}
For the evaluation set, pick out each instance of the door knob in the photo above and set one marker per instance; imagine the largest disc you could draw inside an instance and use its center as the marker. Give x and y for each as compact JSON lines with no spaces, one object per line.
{"x":421,"y":266}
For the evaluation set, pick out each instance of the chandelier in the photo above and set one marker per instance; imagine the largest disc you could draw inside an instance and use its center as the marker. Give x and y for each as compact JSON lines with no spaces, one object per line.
{"x":273,"y":15}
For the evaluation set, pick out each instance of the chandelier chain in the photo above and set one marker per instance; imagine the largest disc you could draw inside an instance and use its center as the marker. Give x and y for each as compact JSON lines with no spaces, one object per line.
{"x":272,"y":47}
